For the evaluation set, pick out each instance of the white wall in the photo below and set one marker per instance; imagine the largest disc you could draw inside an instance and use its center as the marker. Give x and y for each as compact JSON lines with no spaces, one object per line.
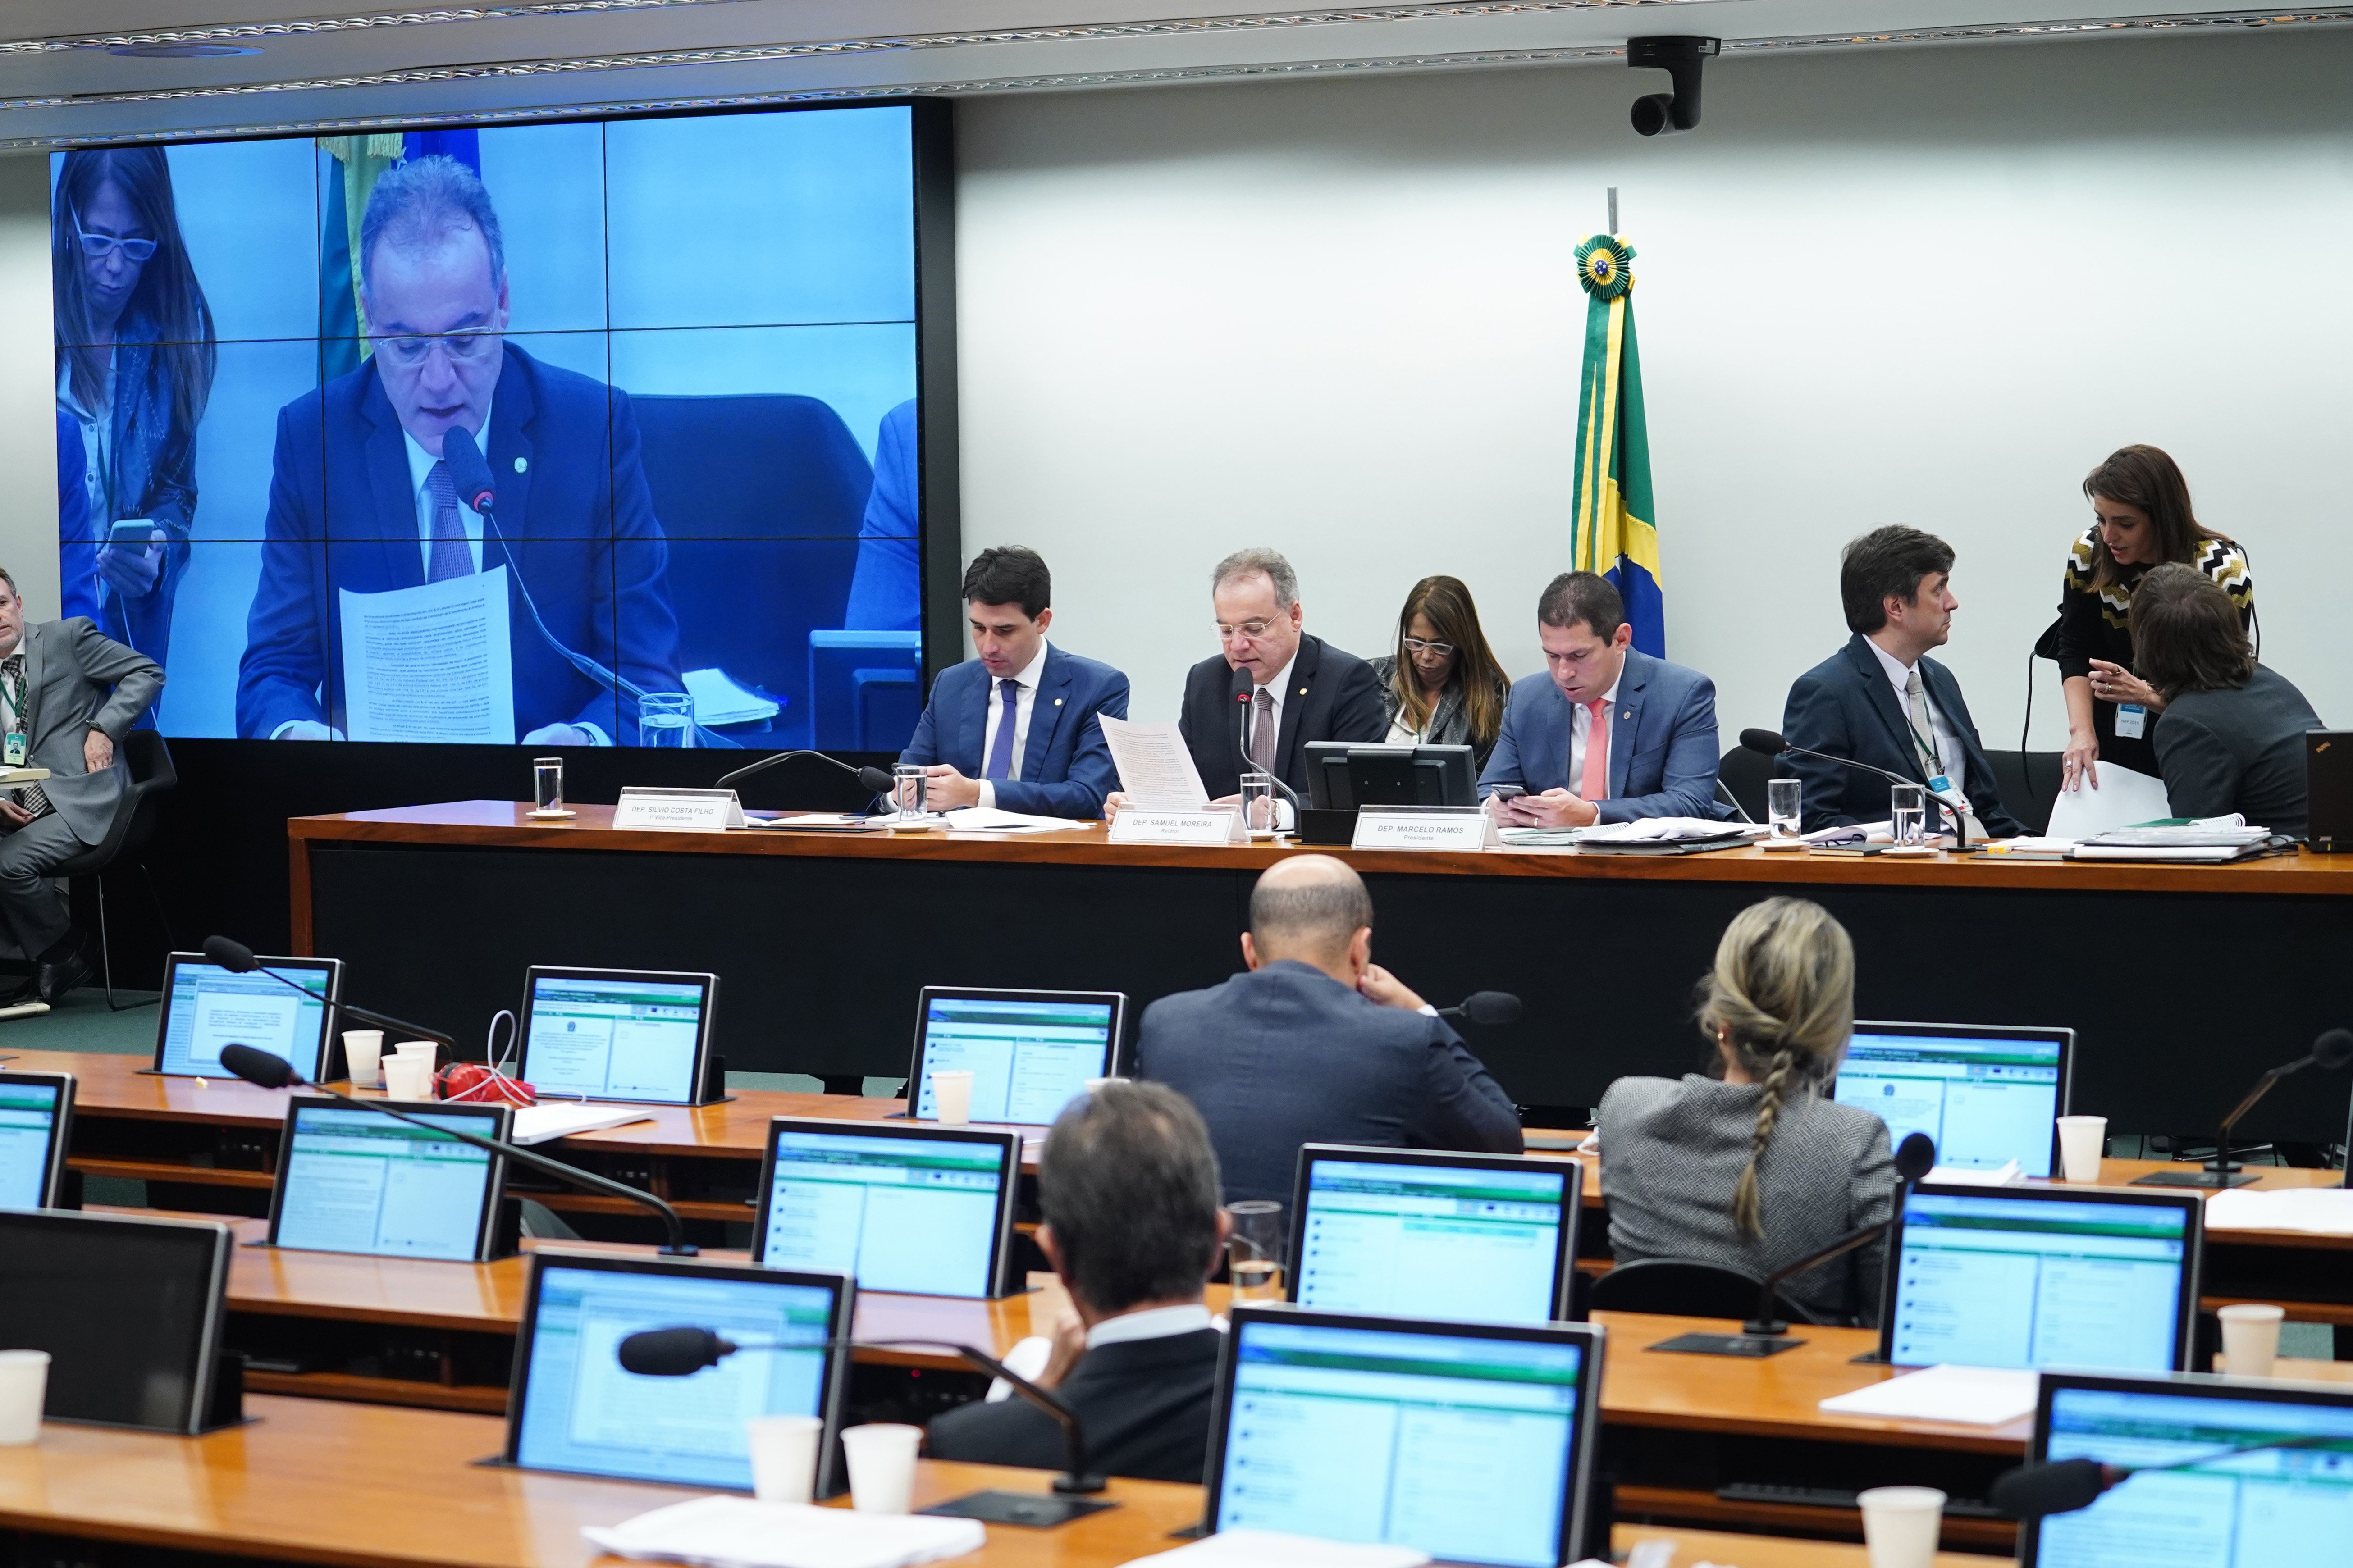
{"x":1921,"y":286}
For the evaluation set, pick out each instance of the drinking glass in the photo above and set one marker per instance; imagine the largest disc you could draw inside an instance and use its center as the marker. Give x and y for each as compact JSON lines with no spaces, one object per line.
{"x":666,"y":719}
{"x":1908,"y":812}
{"x":547,"y":783}
{"x":1782,"y":803}
{"x":1258,"y":805}
{"x":908,"y":783}
{"x":1254,"y":1250}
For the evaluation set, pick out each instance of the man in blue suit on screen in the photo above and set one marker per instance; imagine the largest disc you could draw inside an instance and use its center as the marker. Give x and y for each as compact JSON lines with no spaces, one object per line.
{"x":1016,"y":728}
{"x":361,"y":503}
{"x":1608,"y":734}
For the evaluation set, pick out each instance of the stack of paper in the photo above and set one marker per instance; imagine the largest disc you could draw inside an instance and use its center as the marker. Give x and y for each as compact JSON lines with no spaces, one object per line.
{"x":2323,"y":1211}
{"x":720,"y":699}
{"x":568,"y":1118}
{"x":1666,"y":836}
{"x":1969,"y":1396}
{"x":2008,"y":1175}
{"x":738,"y":1532}
{"x":988,"y":819}
{"x":1273,"y":1549}
{"x":810,"y":821}
{"x":2205,"y":840}
{"x":2119,"y":798}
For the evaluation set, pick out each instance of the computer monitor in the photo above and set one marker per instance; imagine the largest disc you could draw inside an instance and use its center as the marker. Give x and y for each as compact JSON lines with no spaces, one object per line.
{"x":618,"y":1034}
{"x":130,"y":1308}
{"x":572,"y":1406}
{"x":2233,"y":1502}
{"x":2043,"y":1276}
{"x":1472,"y":1442}
{"x":359,"y":1181}
{"x":36,"y":1120}
{"x":1986,"y":1095}
{"x":1344,"y":775}
{"x":1029,"y":1052}
{"x":207,"y":1006}
{"x":925,"y":1211}
{"x":1409,"y":1233}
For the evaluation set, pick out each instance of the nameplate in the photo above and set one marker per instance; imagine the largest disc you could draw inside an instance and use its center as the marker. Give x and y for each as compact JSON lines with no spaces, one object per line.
{"x":678,"y":810}
{"x":1139,"y":825}
{"x":1423,"y":827}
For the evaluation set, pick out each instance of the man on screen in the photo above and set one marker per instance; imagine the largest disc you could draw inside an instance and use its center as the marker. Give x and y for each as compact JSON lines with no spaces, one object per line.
{"x":574,"y":523}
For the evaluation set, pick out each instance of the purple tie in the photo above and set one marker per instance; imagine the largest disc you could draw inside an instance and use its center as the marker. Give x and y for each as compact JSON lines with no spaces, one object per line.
{"x":451,"y":556}
{"x":1000,"y":750}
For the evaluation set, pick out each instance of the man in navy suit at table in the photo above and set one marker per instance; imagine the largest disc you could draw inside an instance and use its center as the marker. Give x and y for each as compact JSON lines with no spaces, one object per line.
{"x":1017,"y":727}
{"x":361,"y":502}
{"x":1608,"y":734}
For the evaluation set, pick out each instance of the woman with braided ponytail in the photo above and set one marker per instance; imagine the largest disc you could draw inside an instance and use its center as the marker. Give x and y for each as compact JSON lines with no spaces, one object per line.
{"x":1752,"y":1165}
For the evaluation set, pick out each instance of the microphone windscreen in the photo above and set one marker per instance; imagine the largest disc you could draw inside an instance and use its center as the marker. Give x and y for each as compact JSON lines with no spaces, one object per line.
{"x":2333,"y":1049}
{"x":1915,"y":1156}
{"x":2033,"y":1492}
{"x":874,"y":779}
{"x":468,"y":469}
{"x":257,"y":1067}
{"x":1242,"y":684}
{"x":1768,"y":741}
{"x":671,"y":1352}
{"x":1491,"y":1008}
{"x":233,"y":956}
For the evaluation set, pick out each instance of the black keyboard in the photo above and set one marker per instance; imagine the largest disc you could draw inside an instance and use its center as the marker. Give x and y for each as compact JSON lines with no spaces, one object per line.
{"x":1833,"y":1497}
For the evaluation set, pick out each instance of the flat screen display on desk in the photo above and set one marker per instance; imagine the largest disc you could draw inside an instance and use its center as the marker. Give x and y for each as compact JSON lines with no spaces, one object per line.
{"x":359,"y":1181}
{"x":36,"y":1120}
{"x":618,"y":1034}
{"x":206,"y":1007}
{"x":572,"y":1407}
{"x":1417,"y":1235}
{"x":2028,"y":1277}
{"x":1471,"y":1442}
{"x":1029,"y":1052}
{"x":1987,"y":1096}
{"x":919,"y":1210}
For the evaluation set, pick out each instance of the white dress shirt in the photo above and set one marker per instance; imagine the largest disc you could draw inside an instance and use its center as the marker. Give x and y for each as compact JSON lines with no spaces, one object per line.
{"x":1949,"y":743}
{"x":1033,"y":672}
{"x":1154,"y":1323}
{"x":420,"y":468}
{"x":1580,"y":731}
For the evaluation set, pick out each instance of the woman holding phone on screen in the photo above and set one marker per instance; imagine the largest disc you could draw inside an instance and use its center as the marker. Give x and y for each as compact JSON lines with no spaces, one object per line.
{"x":135,"y":359}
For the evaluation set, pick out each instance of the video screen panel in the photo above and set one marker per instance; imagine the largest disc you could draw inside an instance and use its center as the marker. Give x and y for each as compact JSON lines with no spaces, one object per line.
{"x":685,"y":347}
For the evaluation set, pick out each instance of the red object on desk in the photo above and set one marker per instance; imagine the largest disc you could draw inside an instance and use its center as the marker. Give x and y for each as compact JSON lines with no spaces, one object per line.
{"x":479,"y":1085}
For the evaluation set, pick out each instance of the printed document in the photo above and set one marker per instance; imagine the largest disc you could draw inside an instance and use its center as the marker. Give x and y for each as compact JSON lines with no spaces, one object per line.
{"x":2122,"y":798}
{"x":1156,"y":767}
{"x":431,"y":663}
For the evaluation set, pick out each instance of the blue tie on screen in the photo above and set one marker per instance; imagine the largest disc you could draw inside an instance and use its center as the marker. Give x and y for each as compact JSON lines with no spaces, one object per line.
{"x":1000,"y":750}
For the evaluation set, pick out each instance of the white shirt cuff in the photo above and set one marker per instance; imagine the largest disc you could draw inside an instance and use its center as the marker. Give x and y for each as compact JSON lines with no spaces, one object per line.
{"x":1426,"y":1011}
{"x":596,"y":736}
{"x":988,"y":794}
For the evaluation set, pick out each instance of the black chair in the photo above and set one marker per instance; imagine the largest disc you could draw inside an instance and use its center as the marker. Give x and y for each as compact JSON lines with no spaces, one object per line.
{"x":2029,"y":781}
{"x":152,"y":773}
{"x":1684,"y":1287}
{"x":1742,"y":775}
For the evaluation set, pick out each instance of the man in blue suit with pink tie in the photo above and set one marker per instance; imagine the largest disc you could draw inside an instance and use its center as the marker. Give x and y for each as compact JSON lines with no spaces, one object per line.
{"x":1016,"y":728}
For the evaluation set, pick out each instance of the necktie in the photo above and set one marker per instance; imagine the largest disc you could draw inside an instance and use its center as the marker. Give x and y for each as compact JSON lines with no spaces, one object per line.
{"x":1595,"y":786}
{"x":30,"y":796}
{"x":1000,"y":750}
{"x":1261,"y":746}
{"x":1924,"y":743}
{"x":451,"y":556}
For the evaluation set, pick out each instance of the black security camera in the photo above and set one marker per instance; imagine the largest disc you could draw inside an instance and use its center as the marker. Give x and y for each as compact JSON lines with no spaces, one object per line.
{"x":1680,"y":59}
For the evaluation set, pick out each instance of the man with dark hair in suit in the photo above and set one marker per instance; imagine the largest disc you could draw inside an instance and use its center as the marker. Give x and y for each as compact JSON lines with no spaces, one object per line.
{"x":1017,"y":727}
{"x":1127,"y":1187}
{"x":1318,"y":1044}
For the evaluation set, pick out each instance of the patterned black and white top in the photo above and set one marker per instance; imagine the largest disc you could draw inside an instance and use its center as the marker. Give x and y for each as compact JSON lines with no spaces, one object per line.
{"x":2096,"y":623}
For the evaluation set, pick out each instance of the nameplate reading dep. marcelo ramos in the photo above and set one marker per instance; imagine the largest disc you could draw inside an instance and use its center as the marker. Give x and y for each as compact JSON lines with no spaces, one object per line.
{"x":1456,"y":827}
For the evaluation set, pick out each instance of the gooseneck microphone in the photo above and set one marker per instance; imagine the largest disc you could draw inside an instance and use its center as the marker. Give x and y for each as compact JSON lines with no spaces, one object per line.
{"x":870,"y":778}
{"x":1485,"y":1008}
{"x":1914,"y":1158}
{"x":2332,"y":1050}
{"x":1244,"y":687}
{"x":238,"y":959}
{"x":1772,"y":743}
{"x":2063,"y":1486}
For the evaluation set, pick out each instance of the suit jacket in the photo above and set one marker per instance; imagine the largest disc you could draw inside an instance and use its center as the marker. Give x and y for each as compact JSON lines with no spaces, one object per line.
{"x":1286,"y":1054}
{"x":1332,"y":696}
{"x":578,"y":530}
{"x":1663,"y":753}
{"x":2238,"y":748}
{"x":1066,"y":767}
{"x":77,"y":681}
{"x":1143,"y":1406}
{"x":1846,"y":707}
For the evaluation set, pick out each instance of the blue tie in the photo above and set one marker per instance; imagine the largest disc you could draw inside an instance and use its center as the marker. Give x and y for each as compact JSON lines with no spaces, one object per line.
{"x":1000,"y":751}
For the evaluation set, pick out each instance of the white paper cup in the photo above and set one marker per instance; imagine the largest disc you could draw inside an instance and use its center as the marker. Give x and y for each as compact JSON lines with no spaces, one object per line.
{"x":427,"y":1049}
{"x":882,"y":1458}
{"x":952,"y":1096}
{"x":2082,"y":1141}
{"x":783,"y":1456}
{"x":2251,"y":1333}
{"x":1095,"y":1083}
{"x":24,"y":1384}
{"x":362,"y":1051}
{"x":1900,"y":1525}
{"x":408,"y":1077}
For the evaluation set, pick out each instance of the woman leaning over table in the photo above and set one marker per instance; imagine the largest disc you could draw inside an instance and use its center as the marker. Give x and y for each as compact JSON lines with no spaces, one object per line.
{"x":1442,"y":687}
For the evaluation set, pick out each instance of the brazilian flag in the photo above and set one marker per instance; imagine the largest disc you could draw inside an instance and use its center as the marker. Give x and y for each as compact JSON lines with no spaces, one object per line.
{"x":358,"y":162}
{"x":1615,"y":530}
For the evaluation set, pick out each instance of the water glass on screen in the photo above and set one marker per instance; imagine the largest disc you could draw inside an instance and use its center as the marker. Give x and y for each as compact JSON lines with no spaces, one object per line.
{"x":1258,"y":805}
{"x":1254,"y":1249}
{"x":1783,"y":798}
{"x":666,"y":719}
{"x":1907,"y":813}
{"x":547,"y":783}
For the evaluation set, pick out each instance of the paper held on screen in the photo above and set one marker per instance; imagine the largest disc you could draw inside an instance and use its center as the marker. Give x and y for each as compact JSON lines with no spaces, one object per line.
{"x":1156,"y":767}
{"x":2122,"y":798}
{"x":431,"y":663}
{"x":1966,"y":1396}
{"x":739,"y":1532}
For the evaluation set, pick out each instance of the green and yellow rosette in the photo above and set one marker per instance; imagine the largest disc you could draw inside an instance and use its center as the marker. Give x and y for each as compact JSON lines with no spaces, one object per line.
{"x":1605,"y":266}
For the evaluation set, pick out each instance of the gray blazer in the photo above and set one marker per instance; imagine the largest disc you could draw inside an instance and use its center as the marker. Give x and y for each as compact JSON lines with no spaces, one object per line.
{"x":1451,"y":725}
{"x":2240,"y":748}
{"x":79,"y":679}
{"x":1672,"y":1154}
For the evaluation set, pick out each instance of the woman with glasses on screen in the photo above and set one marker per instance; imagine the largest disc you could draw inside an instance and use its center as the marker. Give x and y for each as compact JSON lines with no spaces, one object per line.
{"x":135,"y":361}
{"x":1442,"y":687}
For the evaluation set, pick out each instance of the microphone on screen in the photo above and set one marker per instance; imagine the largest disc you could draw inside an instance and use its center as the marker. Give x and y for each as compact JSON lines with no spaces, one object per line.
{"x":469,"y":471}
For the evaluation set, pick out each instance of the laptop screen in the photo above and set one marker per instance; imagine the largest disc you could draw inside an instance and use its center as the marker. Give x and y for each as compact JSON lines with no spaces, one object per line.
{"x":1989,"y":1278}
{"x":1459,"y":1443}
{"x":1434,"y":1236}
{"x":1030,"y":1053}
{"x":576,"y":1409}
{"x":2277,"y":1505}
{"x":610,"y":1034}
{"x":918,"y":1212}
{"x":1987,"y":1098}
{"x":358,"y":1181}
{"x":206,"y":1007}
{"x":28,"y":1132}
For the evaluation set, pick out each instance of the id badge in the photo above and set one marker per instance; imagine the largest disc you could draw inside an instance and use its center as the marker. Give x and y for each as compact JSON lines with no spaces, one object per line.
{"x":2132,"y":720}
{"x":14,"y":753}
{"x":1940,"y":785}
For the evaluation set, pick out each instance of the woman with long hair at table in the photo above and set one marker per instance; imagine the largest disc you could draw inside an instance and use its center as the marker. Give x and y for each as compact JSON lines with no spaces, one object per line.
{"x":1442,"y":687}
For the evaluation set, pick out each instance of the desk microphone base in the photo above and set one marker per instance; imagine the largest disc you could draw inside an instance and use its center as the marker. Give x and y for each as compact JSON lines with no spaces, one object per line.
{"x":1038,"y":1511}
{"x":2210,"y":1180}
{"x":1748,"y":1347}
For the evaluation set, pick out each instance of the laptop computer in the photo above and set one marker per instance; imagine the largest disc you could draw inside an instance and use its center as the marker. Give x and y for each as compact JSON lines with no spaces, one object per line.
{"x":1473,"y":1442}
{"x":35,"y":1122}
{"x":2328,"y":791}
{"x":1986,"y":1095}
{"x":206,"y":1007}
{"x":359,"y":1181}
{"x":1412,"y":1233}
{"x":925,"y":1211}
{"x":637,"y":1034}
{"x":1030,"y":1052}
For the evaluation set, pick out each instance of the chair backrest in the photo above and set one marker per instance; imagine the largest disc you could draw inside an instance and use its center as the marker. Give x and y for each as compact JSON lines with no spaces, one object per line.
{"x":1743,"y":773}
{"x":2029,"y":781}
{"x":153,"y":774}
{"x":1684,"y":1287}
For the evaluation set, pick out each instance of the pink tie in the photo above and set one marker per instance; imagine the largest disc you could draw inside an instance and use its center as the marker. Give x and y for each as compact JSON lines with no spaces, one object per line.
{"x":1596,"y":784}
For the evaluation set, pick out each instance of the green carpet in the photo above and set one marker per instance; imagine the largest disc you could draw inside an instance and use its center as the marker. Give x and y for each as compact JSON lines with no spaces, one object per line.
{"x":82,"y":1023}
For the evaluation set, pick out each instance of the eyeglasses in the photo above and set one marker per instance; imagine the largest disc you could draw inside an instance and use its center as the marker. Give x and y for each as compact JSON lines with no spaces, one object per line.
{"x":97,"y":247}
{"x":1415,"y":645}
{"x":1248,"y":631}
{"x":463,"y":348}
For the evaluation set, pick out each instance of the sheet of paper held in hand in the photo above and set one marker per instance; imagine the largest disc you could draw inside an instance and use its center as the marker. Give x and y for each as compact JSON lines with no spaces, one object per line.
{"x":1156,"y":767}
{"x":2122,"y":798}
{"x":431,"y":663}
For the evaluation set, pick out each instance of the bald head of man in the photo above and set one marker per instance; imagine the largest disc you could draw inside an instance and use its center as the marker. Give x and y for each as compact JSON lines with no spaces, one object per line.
{"x":1313,"y":910}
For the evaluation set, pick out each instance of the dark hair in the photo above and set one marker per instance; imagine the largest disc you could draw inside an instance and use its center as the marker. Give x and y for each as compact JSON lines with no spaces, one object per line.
{"x":416,"y":204}
{"x":1128,"y":1182}
{"x":168,"y":297}
{"x":2151,"y":481}
{"x":1447,"y":604}
{"x":1010,"y":575}
{"x":1886,"y":564}
{"x":1587,"y":596}
{"x":2186,"y":633}
{"x":1322,"y":913}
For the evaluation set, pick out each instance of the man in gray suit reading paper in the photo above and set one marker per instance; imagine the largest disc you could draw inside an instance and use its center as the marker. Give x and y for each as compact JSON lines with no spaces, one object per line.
{"x":67,"y":696}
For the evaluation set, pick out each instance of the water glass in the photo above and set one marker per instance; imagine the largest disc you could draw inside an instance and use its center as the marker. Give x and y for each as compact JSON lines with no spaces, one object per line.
{"x":1782,"y":807}
{"x":1254,"y":1250}
{"x":1258,"y":805}
{"x":1907,"y":813}
{"x":908,"y":783}
{"x":666,"y":719}
{"x":547,"y":785}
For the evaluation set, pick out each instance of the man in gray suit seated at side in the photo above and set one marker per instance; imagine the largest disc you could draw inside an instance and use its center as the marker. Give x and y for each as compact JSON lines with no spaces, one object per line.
{"x":67,"y":696}
{"x":1318,"y":1044}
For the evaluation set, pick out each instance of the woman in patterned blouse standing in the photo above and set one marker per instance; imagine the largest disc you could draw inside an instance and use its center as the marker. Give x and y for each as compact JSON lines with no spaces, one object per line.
{"x":2141,"y":506}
